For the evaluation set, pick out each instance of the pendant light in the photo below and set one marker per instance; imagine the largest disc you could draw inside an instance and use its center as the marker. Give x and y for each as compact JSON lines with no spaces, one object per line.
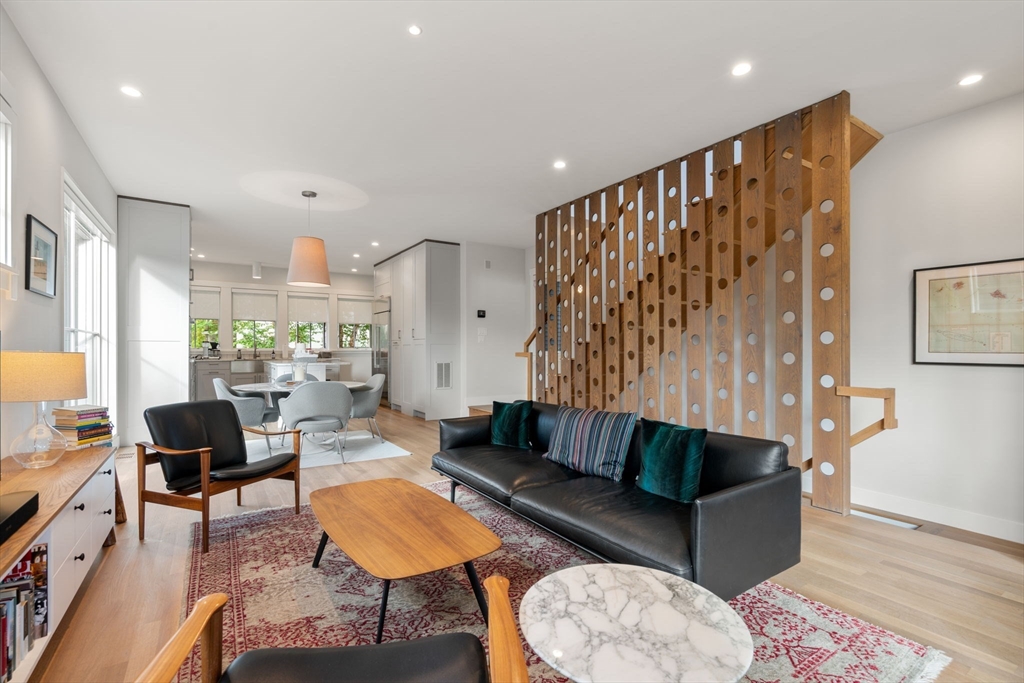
{"x":308,"y":264}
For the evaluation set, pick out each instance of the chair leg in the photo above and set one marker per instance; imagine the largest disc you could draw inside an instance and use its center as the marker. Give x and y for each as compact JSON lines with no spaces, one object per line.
{"x":206,"y":524}
{"x":346,"y":437}
{"x":378,"y":429}
{"x":298,"y":487}
{"x":238,"y":495}
{"x":270,"y":448}
{"x":140,"y":455}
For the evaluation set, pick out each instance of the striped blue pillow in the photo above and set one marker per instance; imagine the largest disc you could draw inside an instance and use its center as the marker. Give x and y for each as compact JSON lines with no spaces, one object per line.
{"x":591,"y":441}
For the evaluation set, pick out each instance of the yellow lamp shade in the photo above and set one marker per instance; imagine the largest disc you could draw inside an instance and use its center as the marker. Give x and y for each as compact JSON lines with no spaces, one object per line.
{"x":308,"y":264}
{"x":32,"y":376}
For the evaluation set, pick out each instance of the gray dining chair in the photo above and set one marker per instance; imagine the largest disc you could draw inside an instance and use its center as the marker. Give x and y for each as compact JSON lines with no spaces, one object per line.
{"x":319,"y":407}
{"x":366,"y":401}
{"x":251,"y":407}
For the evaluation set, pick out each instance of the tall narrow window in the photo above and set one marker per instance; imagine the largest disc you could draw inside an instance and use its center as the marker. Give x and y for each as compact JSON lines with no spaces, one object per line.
{"x":355,"y":320}
{"x":204,"y":316}
{"x":307,"y":320}
{"x":90,"y":295}
{"x":254,"y":318}
{"x":6,"y":169}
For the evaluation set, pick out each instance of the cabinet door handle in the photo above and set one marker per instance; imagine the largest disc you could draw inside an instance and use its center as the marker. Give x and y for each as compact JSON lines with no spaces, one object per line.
{"x":80,"y":506}
{"x":414,"y":333}
{"x":108,"y":512}
{"x":107,"y":472}
{"x":80,"y":558}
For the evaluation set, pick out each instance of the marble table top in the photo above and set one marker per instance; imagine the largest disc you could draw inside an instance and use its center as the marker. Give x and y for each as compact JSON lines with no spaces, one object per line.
{"x":616,"y":622}
{"x":273,"y":387}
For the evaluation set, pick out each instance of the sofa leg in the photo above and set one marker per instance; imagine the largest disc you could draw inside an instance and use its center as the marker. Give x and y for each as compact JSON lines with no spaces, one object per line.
{"x":454,"y":484}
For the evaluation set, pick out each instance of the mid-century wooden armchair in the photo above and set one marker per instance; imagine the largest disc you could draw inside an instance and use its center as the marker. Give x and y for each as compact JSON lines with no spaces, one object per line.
{"x":454,"y":657}
{"x":201,"y":449}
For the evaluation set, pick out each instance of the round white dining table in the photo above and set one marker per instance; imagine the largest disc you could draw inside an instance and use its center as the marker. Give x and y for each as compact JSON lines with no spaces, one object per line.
{"x":273,"y":388}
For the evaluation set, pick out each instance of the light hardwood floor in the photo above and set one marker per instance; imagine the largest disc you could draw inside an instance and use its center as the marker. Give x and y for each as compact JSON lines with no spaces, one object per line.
{"x":940,"y":588}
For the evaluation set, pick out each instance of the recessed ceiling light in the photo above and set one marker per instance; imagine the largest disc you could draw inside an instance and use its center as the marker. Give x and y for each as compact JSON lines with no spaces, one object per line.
{"x":355,"y":270}
{"x":201,"y":255}
{"x":130,"y":91}
{"x":415,"y":30}
{"x":355,"y":255}
{"x":971,"y":80}
{"x":741,"y":69}
{"x":559,"y":164}
{"x":374,"y":244}
{"x":191,"y":248}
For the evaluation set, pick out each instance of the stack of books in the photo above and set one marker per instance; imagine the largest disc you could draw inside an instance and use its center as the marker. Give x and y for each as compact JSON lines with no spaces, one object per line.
{"x":24,"y":611}
{"x":84,"y":426}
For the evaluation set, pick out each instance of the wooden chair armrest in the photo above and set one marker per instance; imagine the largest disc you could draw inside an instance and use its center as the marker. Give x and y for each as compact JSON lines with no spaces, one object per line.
{"x":506,"y":659}
{"x":163,"y":450}
{"x":263,"y":432}
{"x":205,"y":621}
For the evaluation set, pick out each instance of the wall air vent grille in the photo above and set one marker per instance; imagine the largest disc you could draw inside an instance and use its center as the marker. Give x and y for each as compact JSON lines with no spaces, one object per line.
{"x":443,"y":376}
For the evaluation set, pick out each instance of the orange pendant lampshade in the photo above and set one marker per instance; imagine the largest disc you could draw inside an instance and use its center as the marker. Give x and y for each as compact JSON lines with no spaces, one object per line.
{"x":308,"y":264}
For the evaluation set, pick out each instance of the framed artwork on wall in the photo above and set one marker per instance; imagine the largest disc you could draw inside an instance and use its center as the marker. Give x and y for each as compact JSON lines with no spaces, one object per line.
{"x":972,"y":314}
{"x":40,"y":258}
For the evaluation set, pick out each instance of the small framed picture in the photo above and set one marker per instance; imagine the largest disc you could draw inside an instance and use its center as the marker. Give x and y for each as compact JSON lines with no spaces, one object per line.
{"x":971,"y":314}
{"x":40,"y":258}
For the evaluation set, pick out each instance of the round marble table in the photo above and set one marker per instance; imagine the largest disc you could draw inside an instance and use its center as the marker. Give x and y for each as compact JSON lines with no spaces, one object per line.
{"x":271,"y":387}
{"x":616,"y":622}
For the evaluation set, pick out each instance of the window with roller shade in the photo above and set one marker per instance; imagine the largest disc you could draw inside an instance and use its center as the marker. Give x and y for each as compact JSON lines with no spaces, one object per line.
{"x":204,"y":316}
{"x":355,"y":318}
{"x":254,"y":318}
{"x":307,"y":320}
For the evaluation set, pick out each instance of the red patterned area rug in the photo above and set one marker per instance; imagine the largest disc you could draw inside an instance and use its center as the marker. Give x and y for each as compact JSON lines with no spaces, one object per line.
{"x":263,"y":560}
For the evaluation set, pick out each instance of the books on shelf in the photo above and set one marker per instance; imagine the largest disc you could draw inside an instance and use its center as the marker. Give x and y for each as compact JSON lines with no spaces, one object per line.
{"x":84,"y":426}
{"x":23,"y":609}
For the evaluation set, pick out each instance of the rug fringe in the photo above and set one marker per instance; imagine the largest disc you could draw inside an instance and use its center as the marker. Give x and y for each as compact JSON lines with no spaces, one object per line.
{"x":935,"y":662}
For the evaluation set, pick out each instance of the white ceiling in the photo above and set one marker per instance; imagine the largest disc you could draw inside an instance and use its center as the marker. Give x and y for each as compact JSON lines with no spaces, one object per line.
{"x":452,"y":134}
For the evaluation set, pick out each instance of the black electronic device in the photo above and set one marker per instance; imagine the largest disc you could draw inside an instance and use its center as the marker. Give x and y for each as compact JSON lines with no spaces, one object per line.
{"x":16,"y":509}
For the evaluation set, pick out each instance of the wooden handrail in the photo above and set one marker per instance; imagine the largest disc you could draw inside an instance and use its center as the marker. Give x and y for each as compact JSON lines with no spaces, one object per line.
{"x":526,"y":353}
{"x":205,"y":621}
{"x":506,"y":658}
{"x":888,"y":421}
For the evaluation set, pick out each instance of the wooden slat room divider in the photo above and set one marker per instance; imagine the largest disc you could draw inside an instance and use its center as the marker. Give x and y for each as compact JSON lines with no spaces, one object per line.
{"x":653,"y":295}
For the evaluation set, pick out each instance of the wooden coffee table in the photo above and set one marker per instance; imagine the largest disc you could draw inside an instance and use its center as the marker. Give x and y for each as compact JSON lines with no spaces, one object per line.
{"x":394,"y":529}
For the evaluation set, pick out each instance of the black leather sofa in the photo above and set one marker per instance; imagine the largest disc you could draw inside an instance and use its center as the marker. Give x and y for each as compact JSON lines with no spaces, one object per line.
{"x":743,"y":528}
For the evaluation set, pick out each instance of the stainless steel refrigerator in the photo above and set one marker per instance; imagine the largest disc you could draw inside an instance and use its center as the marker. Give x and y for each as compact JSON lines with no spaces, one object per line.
{"x":381,"y":342}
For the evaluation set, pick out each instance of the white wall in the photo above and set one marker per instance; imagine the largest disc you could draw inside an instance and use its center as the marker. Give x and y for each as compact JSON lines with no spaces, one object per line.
{"x":228,"y":276}
{"x":493,"y":373}
{"x":943,"y":193}
{"x":45,"y":141}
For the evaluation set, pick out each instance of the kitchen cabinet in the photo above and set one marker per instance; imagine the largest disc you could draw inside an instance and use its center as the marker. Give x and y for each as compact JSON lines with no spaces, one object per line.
{"x":425,"y":315}
{"x":205,"y":373}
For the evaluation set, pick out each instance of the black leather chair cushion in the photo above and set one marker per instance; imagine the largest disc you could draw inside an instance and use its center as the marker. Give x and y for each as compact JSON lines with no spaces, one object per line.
{"x":618,"y":520}
{"x":541,"y":423}
{"x":198,"y":424}
{"x":731,"y":460}
{"x":452,"y":657}
{"x":246,"y":471}
{"x":500,"y":471}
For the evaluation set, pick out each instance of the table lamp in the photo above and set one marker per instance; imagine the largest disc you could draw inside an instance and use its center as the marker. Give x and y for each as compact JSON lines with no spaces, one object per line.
{"x":39,"y":376}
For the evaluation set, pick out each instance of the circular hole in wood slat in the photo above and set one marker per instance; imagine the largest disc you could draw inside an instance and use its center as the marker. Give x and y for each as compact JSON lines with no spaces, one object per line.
{"x":695,"y":340}
{"x":752,"y":222}
{"x":695,"y":305}
{"x":695,"y":236}
{"x":594,"y":217}
{"x":579,"y":236}
{"x":551,"y":244}
{"x":789,"y":317}
{"x":788,"y":440}
{"x":611,"y":369}
{"x":611,"y":341}
{"x":593,"y":272}
{"x":650,"y":277}
{"x":579,"y":315}
{"x":827,"y":293}
{"x":671,"y":290}
{"x":650,"y":215}
{"x":827,"y":337}
{"x":722,"y":283}
{"x":723,"y":394}
{"x":595,"y":299}
{"x":611,"y":255}
{"x":672,"y":356}
{"x":630,"y":325}
{"x":540,"y":259}
{"x":695,"y":373}
{"x":694,"y":201}
{"x":579,"y":262}
{"x":695,"y":271}
{"x":672,"y":322}
{"x":722,"y":356}
{"x":672,"y":257}
{"x":630,"y":295}
{"x":672,"y":389}
{"x":611,"y":312}
{"x":723,"y":174}
{"x":722,"y":210}
{"x":650,"y":341}
{"x":788,"y":358}
{"x":827,"y":468}
{"x":630,"y":206}
{"x":650,"y":246}
{"x":672,"y":224}
{"x":788,"y":193}
{"x":630,"y":386}
{"x":752,"y":415}
{"x":540,"y":236}
{"x":565,"y":253}
{"x":788,"y":276}
{"x":751,"y":299}
{"x":650,"y":372}
{"x":752,"y":339}
{"x":751,"y":260}
{"x":827,"y":250}
{"x":787,"y":153}
{"x":722,"y":320}
{"x":650,"y":308}
{"x":788,"y":399}
{"x":827,"y":381}
{"x":671,"y":192}
{"x":827,"y":161}
{"x":722,"y":429}
{"x":752,"y":377}
{"x":827,"y":206}
{"x":611,"y":398}
{"x":593,"y":326}
{"x":723,"y":247}
{"x":611,"y":284}
{"x":630,"y":265}
{"x":631,"y":354}
{"x":788,"y":235}
{"x":695,"y":408}
{"x":552,"y":366}
{"x":629,"y":235}
{"x":827,"y":425}
{"x":752,"y":183}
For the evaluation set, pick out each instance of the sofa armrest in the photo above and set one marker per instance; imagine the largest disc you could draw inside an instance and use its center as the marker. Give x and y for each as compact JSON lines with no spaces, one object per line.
{"x":465,"y":431}
{"x":746,"y":534}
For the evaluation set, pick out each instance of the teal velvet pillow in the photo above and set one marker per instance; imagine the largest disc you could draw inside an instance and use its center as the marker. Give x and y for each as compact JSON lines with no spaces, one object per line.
{"x":508,"y":424}
{"x":670,"y":460}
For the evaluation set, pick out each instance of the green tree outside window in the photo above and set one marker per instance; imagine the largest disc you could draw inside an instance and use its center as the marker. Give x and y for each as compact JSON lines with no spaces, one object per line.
{"x":354,"y":336}
{"x":313,"y":335}
{"x":203,"y":329}
{"x":254,"y":334}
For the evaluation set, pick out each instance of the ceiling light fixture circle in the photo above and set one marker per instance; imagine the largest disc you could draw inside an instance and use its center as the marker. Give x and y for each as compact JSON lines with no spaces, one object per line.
{"x":971,"y":80}
{"x":559,"y":164}
{"x":741,"y":69}
{"x":130,"y":91}
{"x":415,"y":30}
